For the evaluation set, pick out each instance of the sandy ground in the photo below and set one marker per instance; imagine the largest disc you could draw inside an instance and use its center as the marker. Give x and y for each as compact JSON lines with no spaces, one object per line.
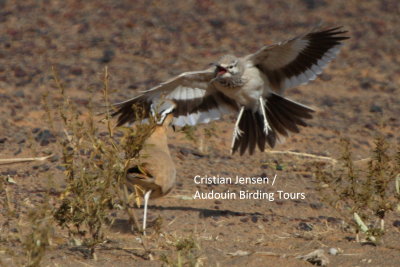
{"x":145,"y":42}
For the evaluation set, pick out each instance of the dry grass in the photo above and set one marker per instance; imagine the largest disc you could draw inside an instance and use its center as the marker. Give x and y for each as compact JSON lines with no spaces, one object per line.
{"x":184,"y":252}
{"x":96,"y":165}
{"x":366,"y":193}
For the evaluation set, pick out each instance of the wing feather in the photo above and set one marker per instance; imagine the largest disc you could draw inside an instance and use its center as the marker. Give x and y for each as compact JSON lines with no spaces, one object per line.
{"x":195,"y":100}
{"x":298,"y":60}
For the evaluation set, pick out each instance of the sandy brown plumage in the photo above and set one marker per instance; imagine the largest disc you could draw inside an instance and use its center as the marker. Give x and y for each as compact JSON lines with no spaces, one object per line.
{"x":154,"y":170}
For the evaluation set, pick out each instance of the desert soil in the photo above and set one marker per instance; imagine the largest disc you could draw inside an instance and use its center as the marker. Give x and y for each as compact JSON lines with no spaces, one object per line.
{"x":145,"y":42}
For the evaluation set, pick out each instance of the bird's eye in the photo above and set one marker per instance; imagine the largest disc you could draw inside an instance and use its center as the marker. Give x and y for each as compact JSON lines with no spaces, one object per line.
{"x":230,"y":67}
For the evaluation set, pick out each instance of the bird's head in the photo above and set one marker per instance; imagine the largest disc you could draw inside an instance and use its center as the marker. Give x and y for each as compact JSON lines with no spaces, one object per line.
{"x":227,"y":67}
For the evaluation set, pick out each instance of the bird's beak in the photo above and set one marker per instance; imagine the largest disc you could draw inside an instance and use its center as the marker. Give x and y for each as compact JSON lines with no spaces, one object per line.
{"x":220,"y":70}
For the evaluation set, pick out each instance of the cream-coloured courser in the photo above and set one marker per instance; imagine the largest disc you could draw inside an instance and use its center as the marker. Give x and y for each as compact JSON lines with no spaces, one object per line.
{"x":154,"y":171}
{"x":251,"y":85}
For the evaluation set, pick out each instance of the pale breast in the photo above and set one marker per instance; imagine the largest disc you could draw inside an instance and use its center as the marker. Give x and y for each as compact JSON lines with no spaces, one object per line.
{"x":250,"y":90}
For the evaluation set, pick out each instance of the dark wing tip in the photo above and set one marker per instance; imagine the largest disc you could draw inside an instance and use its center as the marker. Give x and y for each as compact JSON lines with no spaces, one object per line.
{"x":131,"y":111}
{"x":333,"y":33}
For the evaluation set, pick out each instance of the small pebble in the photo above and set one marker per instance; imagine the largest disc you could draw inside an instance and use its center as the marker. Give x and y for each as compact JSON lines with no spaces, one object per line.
{"x":245,"y":219}
{"x":108,"y":55}
{"x":316,"y":206}
{"x":396,"y":223}
{"x":54,"y":158}
{"x":45,"y":137}
{"x":333,"y":251}
{"x":216,"y":23}
{"x":375,"y":108}
{"x":19,"y":94}
{"x":333,"y":220}
{"x":61,"y":168}
{"x":305,"y":226}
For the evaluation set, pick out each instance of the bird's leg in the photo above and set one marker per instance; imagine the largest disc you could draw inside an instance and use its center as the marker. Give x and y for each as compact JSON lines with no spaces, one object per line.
{"x":266,"y":124}
{"x":146,"y":201}
{"x":236,"y":131}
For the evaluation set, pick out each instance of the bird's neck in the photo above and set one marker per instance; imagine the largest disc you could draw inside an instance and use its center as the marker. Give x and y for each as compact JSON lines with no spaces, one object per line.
{"x":159,"y":138}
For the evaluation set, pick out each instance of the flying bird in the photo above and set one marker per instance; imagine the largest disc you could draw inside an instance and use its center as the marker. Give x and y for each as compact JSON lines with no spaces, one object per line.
{"x":251,"y":86}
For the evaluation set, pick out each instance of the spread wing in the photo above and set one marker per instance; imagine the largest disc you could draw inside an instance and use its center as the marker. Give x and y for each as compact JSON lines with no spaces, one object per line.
{"x":193,"y":100}
{"x":299,"y":60}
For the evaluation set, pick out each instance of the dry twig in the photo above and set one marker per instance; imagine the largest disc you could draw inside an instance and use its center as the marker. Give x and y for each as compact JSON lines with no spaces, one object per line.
{"x":22,"y":160}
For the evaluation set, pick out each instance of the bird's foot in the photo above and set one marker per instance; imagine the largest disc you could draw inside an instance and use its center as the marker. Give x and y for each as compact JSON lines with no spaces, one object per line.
{"x":237,"y":132}
{"x":267,"y":128}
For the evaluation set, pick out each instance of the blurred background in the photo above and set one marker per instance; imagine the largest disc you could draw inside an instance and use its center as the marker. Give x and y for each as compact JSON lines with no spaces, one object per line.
{"x":146,"y":42}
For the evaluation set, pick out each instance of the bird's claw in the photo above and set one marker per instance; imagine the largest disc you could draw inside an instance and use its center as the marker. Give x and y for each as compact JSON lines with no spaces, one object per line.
{"x":237,"y":132}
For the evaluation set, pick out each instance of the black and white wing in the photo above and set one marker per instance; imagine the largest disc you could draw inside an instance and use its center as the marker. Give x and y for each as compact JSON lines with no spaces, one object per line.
{"x":194,"y":100}
{"x":298,"y":60}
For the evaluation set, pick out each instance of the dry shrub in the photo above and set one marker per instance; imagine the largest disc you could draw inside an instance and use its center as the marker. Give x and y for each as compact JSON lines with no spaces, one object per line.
{"x":184,"y":251}
{"x":95,"y":164}
{"x":368,"y":191}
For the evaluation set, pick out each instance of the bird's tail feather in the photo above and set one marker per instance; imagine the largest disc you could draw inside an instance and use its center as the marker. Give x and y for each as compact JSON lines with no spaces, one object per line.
{"x":283,"y":116}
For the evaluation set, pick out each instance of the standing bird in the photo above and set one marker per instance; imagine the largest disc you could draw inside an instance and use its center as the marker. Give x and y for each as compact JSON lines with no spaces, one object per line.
{"x":154,"y":172}
{"x":251,"y":85}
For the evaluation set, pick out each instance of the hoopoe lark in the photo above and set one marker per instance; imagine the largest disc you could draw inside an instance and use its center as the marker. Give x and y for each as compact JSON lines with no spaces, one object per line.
{"x":251,"y":85}
{"x":154,"y":172}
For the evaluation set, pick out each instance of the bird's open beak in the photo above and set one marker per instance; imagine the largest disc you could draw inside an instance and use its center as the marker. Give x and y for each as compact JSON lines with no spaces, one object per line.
{"x":221,"y":70}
